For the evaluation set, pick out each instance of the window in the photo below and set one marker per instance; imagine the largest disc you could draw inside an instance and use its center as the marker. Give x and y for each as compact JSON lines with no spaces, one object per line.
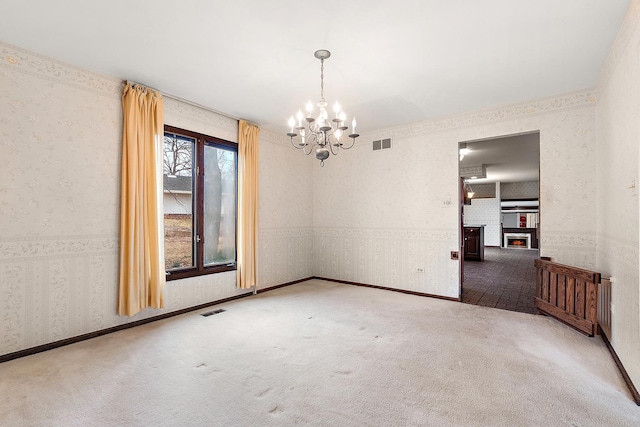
{"x":200,"y":198}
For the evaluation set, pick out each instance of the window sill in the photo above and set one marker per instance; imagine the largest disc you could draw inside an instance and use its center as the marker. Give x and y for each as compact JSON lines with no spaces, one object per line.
{"x":183,"y":274}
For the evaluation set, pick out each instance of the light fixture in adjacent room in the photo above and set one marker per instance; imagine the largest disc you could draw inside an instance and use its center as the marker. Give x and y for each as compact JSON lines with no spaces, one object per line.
{"x":464,"y":150}
{"x":321,"y":133}
{"x":470,"y":192}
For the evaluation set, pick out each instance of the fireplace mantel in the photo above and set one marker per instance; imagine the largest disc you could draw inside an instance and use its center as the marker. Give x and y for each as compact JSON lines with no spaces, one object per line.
{"x":517,"y":240}
{"x":532,"y":231}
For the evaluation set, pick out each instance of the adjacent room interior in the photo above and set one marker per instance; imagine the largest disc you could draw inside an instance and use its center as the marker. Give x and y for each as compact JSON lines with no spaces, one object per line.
{"x":501,"y":221}
{"x":307,"y":251}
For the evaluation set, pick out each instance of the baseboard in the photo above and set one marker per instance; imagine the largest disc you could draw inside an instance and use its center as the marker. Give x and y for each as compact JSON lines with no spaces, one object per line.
{"x":623,"y":371}
{"x":87,"y":336}
{"x":270,"y":288}
{"x":404,"y":291}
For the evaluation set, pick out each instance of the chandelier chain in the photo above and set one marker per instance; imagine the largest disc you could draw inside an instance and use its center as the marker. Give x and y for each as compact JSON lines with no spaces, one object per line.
{"x":322,"y":80}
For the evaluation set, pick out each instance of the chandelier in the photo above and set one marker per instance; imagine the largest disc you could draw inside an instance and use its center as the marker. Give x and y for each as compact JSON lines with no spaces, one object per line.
{"x":320,"y":134}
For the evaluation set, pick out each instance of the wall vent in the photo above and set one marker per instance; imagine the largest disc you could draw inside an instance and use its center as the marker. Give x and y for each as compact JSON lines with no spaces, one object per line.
{"x":381,"y":144}
{"x":211,"y":313}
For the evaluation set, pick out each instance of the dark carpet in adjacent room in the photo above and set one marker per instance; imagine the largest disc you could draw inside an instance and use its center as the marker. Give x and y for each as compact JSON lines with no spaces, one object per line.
{"x":506,"y":279}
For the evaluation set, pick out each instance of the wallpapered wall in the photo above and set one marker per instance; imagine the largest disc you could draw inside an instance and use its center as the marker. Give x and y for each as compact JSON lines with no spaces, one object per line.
{"x":482,"y":190}
{"x":487,"y":212}
{"x":59,"y":203}
{"x":285,"y":247}
{"x":393,"y":212}
{"x":389,"y":214}
{"x":617,"y":173}
{"x":519,"y":190}
{"x":376,"y":223}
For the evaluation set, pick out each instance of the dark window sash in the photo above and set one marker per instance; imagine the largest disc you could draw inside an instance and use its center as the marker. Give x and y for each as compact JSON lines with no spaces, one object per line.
{"x":199,"y":269}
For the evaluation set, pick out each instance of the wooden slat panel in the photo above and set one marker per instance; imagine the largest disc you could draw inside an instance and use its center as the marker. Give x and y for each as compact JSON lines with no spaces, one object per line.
{"x":578,"y":273}
{"x":596,"y":278}
{"x":562,"y":292}
{"x":591,"y":304}
{"x":580,"y":324}
{"x":553,"y":289}
{"x":580,"y":298}
{"x":545,"y":285}
{"x":570,"y":296}
{"x":539,"y":273}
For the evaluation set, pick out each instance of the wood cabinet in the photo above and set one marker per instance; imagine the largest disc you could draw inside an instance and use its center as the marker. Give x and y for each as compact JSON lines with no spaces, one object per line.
{"x":474,"y":243}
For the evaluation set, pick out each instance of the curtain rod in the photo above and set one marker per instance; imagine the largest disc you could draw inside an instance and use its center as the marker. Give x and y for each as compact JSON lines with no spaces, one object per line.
{"x":177,"y":98}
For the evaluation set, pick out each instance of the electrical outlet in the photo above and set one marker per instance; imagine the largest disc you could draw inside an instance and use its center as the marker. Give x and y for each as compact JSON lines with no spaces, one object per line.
{"x":454,"y":254}
{"x":420,"y":270}
{"x":446,"y":203}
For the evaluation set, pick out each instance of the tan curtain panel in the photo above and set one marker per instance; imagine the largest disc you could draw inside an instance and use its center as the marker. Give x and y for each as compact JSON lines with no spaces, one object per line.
{"x":247,"y":204}
{"x":142,"y":275}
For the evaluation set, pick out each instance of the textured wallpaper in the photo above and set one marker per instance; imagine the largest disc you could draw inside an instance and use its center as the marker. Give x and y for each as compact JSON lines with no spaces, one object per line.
{"x":285,"y":239}
{"x":483,"y":190}
{"x":59,"y":203}
{"x":385,"y":218}
{"x":389,"y":217}
{"x":519,"y":190}
{"x":487,"y":212}
{"x":396,"y":211}
{"x":617,"y":188}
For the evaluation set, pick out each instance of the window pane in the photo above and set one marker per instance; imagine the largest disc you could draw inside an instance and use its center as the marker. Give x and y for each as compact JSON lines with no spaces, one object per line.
{"x":219,"y":205}
{"x":178,"y":201}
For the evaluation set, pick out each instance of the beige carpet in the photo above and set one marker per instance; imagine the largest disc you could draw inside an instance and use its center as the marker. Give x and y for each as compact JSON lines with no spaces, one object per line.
{"x":325,"y":354}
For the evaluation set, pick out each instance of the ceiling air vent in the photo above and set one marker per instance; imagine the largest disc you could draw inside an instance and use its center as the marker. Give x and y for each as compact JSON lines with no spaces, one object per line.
{"x":381,"y":144}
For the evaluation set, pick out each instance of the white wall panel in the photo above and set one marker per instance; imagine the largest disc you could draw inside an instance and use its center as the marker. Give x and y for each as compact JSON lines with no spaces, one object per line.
{"x":617,"y":174}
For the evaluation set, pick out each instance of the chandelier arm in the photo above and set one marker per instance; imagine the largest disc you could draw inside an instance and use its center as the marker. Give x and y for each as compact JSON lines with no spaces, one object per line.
{"x":296,"y":145}
{"x":335,"y":153}
{"x":353,"y":142}
{"x":311,"y":142}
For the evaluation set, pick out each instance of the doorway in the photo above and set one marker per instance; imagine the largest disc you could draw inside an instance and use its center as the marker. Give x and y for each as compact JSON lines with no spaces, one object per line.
{"x":500,"y":221}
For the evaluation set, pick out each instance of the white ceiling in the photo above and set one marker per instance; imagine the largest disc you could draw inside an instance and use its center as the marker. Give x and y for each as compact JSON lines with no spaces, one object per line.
{"x":392,"y":62}
{"x":508,"y":159}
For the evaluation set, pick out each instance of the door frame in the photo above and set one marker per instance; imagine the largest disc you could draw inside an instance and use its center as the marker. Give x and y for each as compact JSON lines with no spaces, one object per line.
{"x":462,"y":197}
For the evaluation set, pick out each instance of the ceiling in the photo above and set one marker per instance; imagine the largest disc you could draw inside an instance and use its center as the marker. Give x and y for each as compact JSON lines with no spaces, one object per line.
{"x":509,"y":159}
{"x":393,"y":62}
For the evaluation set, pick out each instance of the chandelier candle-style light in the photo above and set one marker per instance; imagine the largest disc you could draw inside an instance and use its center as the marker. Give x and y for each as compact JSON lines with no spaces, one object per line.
{"x":320,"y":133}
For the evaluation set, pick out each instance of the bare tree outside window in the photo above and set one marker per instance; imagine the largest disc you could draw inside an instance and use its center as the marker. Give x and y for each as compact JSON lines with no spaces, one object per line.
{"x":200,"y":208}
{"x":178,"y":201}
{"x":177,"y":155}
{"x":219,"y":205}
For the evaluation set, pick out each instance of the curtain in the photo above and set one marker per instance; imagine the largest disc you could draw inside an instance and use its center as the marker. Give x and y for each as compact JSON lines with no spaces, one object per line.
{"x":247,"y":204}
{"x":142,"y":274}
